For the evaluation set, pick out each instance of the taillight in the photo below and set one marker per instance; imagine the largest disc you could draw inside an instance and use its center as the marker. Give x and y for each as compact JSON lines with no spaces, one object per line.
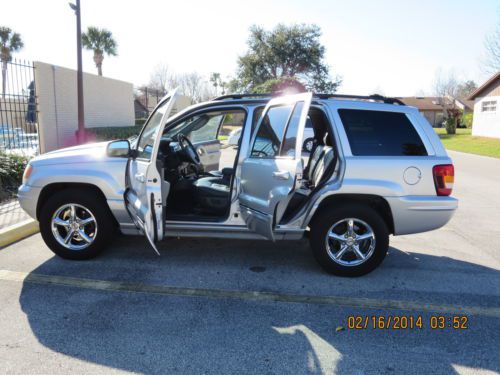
{"x":444,"y":176}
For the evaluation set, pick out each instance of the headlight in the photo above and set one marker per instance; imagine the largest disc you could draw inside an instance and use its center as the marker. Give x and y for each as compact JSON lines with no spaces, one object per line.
{"x":27,"y":173}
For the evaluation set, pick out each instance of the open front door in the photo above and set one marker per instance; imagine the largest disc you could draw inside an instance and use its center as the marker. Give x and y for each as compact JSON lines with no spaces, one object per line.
{"x":146,"y":189}
{"x":270,"y":173}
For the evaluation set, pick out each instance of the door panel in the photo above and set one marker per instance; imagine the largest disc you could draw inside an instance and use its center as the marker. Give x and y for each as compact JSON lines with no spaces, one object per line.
{"x":269,"y":174}
{"x":146,"y":189}
{"x":209,"y":153}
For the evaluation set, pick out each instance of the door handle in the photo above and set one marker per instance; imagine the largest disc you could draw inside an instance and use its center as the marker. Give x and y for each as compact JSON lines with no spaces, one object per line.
{"x":140,"y":177}
{"x":201,"y":151}
{"x":281,"y":175}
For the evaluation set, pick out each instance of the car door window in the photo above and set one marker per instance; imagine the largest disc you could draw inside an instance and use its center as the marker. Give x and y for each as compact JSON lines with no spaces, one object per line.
{"x":150,"y":132}
{"x":267,"y":142}
{"x":290,"y":140}
{"x":207,"y":126}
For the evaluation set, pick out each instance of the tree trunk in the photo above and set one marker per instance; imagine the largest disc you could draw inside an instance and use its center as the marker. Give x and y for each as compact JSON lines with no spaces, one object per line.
{"x":4,"y":77}
{"x":98,"y":58}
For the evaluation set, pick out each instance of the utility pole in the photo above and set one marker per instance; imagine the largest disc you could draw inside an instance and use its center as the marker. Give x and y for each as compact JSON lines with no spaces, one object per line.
{"x":80,"y":133}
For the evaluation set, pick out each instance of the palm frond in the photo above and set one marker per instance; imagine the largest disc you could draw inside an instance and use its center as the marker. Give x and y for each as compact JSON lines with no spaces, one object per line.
{"x":99,"y":40}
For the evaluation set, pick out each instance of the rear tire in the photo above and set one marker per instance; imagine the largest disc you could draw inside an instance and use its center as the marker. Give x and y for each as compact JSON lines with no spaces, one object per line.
{"x":330,"y":235}
{"x":80,"y":212}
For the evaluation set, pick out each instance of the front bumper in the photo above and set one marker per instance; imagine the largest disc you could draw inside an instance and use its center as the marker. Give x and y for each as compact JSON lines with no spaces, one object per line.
{"x":415,"y":214}
{"x":28,"y":199}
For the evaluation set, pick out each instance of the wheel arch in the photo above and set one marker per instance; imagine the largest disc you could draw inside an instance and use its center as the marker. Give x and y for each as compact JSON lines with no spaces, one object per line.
{"x":56,"y":187}
{"x":374,"y":201}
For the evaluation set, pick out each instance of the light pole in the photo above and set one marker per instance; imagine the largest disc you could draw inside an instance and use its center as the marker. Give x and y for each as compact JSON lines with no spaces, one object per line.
{"x":80,"y":133}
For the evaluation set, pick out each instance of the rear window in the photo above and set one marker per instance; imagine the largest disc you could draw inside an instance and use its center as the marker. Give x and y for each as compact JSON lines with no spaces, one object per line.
{"x":378,"y":133}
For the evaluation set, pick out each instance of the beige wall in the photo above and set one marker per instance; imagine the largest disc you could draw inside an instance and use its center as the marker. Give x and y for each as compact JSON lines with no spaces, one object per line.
{"x":108,"y":102}
{"x":493,"y":89}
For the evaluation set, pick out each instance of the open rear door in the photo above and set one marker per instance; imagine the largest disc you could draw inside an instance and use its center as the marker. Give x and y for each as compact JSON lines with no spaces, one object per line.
{"x":146,"y":189}
{"x":270,"y":173}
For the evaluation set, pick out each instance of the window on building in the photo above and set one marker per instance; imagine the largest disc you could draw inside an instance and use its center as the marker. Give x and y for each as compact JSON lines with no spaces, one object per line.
{"x":489,"y":106}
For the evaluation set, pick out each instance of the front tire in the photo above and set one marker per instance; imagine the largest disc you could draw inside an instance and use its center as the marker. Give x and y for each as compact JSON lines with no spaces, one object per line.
{"x":350,"y":240}
{"x":75,"y":224}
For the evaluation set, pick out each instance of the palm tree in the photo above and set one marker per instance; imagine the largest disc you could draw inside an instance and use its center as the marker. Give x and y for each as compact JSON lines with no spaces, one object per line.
{"x":9,"y":42}
{"x":215,"y":79}
{"x":101,"y":42}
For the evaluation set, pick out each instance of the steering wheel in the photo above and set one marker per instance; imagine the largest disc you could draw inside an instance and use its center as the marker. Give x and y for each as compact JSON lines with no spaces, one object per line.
{"x":188,"y":150}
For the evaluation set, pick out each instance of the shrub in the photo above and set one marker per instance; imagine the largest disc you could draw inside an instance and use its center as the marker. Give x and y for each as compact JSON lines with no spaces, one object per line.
{"x":11,"y":174}
{"x":451,"y":125}
{"x":111,"y":133}
{"x":467,"y":120}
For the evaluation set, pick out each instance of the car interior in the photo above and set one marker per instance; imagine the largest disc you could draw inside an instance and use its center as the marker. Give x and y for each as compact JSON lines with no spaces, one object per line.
{"x":200,"y":168}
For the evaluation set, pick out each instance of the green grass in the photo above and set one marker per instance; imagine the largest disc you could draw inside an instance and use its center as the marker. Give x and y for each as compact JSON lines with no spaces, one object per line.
{"x":223,"y":137}
{"x":463,"y":141}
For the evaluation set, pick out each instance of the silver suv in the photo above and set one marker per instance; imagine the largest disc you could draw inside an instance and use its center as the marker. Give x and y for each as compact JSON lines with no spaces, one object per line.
{"x":375,"y":168}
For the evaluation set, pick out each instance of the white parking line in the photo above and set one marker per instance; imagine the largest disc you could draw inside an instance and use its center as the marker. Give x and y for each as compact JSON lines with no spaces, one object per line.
{"x":369,"y":303}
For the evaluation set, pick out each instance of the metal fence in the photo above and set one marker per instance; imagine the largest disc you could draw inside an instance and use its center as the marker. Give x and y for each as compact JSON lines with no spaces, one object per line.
{"x":18,"y":109}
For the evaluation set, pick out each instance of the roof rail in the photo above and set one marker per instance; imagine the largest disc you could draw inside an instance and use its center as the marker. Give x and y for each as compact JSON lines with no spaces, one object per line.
{"x":375,"y":97}
{"x":246,"y":95}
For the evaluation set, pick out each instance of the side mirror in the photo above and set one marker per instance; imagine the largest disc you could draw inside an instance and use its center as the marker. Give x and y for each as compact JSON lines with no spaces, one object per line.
{"x":118,"y":149}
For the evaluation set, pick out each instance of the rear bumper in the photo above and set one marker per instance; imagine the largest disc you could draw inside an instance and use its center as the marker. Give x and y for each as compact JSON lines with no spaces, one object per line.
{"x":28,"y":199}
{"x":415,"y":214}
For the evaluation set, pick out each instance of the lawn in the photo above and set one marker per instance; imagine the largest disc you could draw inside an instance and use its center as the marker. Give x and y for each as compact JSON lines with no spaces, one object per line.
{"x":463,"y":141}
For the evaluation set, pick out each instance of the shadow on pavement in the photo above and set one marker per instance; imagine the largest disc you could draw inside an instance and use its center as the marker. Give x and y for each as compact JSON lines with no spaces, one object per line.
{"x":162,"y":334}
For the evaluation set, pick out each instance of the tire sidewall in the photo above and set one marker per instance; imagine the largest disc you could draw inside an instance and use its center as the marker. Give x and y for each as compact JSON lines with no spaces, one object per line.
{"x":88,"y":200}
{"x":324,"y":221}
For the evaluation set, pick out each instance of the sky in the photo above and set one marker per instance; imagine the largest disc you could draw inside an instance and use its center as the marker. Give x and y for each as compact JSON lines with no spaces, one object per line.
{"x":391,"y":47}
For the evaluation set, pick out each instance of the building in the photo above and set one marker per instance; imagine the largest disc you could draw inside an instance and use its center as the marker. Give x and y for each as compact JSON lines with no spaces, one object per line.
{"x":429,"y":106}
{"x":486,"y":122}
{"x":434,"y":108}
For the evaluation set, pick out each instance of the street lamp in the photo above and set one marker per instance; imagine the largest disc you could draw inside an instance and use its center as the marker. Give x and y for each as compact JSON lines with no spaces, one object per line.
{"x":80,"y":133}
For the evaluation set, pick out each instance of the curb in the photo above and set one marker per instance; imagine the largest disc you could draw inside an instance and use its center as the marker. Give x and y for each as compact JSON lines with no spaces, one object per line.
{"x":18,"y":231}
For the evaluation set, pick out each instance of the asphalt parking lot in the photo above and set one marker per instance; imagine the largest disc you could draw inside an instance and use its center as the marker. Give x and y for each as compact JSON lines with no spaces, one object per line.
{"x":218,"y":306}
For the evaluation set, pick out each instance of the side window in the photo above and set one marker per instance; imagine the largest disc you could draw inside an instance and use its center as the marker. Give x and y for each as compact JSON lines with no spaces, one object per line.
{"x":256,"y":116}
{"x":270,"y":133}
{"x":207,"y":131}
{"x":290,"y":140}
{"x":149,"y":133}
{"x":379,"y":133}
{"x":208,"y":126}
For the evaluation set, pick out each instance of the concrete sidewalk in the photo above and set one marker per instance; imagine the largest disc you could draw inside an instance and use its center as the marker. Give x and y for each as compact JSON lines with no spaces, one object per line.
{"x":11,"y":213}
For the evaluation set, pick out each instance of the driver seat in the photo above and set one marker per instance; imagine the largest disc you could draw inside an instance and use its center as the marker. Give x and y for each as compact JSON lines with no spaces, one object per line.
{"x":212,"y":193}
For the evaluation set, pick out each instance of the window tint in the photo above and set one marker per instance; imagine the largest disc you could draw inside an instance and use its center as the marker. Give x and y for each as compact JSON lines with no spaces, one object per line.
{"x":268,"y":140}
{"x":377,"y":133}
{"x":290,"y":140}
{"x":149,"y":133}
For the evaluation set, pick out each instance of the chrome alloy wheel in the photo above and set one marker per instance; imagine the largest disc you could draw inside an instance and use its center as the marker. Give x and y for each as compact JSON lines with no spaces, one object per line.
{"x":74,"y":226}
{"x":350,"y":242}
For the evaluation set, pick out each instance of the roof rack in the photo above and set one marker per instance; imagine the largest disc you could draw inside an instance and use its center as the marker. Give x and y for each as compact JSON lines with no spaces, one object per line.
{"x":242,"y":96}
{"x":375,"y":97}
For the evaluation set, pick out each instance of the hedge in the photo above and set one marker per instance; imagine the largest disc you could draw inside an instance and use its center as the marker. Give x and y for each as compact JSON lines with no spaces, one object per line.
{"x":11,"y":174}
{"x":110,"y":133}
